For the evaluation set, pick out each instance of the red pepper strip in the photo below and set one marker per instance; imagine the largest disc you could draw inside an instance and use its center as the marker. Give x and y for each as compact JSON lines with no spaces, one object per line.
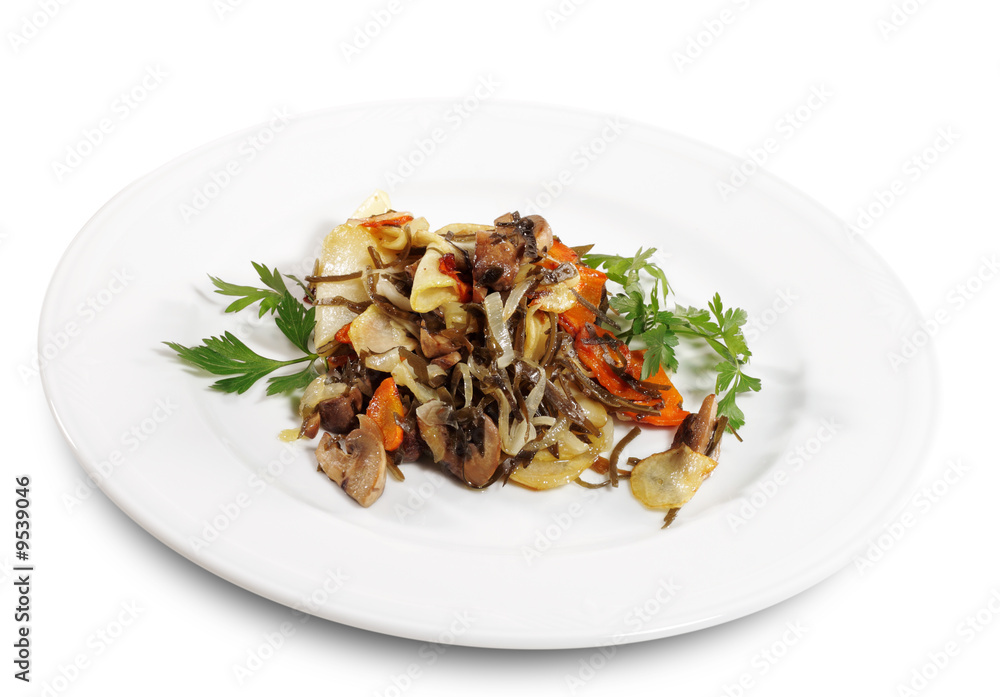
{"x":448,"y":268}
{"x":341,"y":337}
{"x":383,"y":408}
{"x":387,"y":219}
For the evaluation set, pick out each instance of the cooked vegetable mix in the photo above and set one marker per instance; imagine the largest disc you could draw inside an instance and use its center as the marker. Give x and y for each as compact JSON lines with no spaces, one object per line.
{"x":496,"y":351}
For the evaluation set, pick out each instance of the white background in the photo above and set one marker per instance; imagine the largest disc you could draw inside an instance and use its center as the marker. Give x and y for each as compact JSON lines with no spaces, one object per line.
{"x":897,"y":72}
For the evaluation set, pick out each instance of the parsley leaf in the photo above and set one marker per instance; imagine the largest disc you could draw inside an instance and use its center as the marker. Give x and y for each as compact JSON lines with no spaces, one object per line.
{"x":290,"y":383}
{"x":660,"y":343}
{"x":295,"y":321}
{"x":268,"y":297}
{"x":717,"y":327}
{"x":625,"y":271}
{"x":227,"y":355}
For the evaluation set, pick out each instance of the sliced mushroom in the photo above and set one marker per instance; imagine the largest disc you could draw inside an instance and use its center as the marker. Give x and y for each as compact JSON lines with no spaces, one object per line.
{"x":447,"y":360}
{"x":310,"y":427}
{"x":482,"y":457}
{"x":434,"y":420}
{"x":533,"y":229}
{"x":471,"y":452}
{"x":497,"y":260}
{"x":373,"y":331}
{"x":542,"y":233}
{"x":340,"y":415}
{"x":668,"y":480}
{"x":357,"y":461}
{"x":696,"y":430}
{"x":322,"y":388}
{"x":434,"y":344}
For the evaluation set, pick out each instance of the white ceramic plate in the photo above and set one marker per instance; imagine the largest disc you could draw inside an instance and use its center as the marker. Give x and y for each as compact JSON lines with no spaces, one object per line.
{"x":831,"y":447}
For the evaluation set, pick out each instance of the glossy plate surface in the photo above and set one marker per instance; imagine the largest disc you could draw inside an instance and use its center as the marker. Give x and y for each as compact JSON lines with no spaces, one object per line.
{"x":824,"y":464}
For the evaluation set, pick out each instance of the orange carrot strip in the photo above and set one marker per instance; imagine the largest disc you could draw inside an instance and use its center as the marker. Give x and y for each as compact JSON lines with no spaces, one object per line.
{"x":590,"y":288}
{"x":383,"y":408}
{"x":341,"y":337}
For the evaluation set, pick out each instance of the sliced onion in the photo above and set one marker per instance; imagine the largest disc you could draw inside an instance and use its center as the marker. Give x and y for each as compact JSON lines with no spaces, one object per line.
{"x":512,"y":438}
{"x":455,"y":316}
{"x":514,"y":299}
{"x":463,"y":368}
{"x":520,"y":433}
{"x":383,"y":362}
{"x":551,"y":437}
{"x":403,"y":375}
{"x":534,"y":398}
{"x":571,"y":446}
{"x":493,"y":307}
{"x":386,"y":288}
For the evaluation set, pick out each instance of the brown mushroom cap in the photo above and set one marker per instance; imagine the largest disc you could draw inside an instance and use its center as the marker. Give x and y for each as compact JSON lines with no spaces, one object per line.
{"x":497,"y":260}
{"x":340,"y":415}
{"x":542,"y":232}
{"x":356,"y":462}
{"x":433,"y":419}
{"x":470,"y":452}
{"x":479,"y":466}
{"x":697,"y":429}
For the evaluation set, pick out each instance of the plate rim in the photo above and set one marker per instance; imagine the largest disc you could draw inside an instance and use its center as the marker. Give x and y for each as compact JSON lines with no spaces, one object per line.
{"x":928,"y":361}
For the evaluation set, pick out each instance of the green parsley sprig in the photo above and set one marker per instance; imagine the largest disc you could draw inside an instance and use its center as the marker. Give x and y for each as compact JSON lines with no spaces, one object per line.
{"x":661,"y":330}
{"x":227,"y":355}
